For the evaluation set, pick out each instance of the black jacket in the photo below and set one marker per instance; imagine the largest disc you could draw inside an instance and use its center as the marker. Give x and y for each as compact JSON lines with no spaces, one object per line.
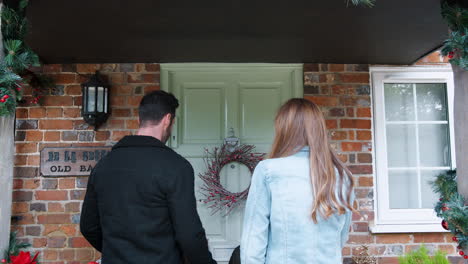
{"x":140,"y":206}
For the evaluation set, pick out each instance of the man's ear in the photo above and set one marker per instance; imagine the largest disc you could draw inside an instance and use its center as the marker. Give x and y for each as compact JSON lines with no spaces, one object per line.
{"x":167,"y":119}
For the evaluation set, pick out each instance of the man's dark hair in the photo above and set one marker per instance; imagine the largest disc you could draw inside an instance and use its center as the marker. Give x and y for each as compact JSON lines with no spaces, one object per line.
{"x":155,"y":105}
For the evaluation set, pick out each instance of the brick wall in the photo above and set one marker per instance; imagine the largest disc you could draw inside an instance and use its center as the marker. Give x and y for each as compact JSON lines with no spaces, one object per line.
{"x":46,"y":210}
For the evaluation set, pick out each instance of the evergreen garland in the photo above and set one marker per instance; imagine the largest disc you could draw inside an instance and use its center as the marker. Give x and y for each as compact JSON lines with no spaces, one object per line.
{"x":456,"y":46}
{"x":452,"y":208}
{"x":14,"y":69}
{"x":14,"y":249}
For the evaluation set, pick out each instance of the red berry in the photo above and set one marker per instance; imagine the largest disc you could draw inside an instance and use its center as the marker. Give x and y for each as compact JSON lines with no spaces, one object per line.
{"x":465,"y":257}
{"x":3,"y":261}
{"x":2,"y":100}
{"x":454,"y":238}
{"x":461,"y":253}
{"x":18,"y":89}
{"x":451,"y":54}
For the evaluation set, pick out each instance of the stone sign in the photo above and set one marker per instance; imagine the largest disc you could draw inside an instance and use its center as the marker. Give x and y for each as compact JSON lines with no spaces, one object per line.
{"x":71,"y":161}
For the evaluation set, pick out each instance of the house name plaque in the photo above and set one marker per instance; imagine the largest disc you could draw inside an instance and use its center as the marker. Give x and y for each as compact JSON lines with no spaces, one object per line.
{"x":71,"y":161}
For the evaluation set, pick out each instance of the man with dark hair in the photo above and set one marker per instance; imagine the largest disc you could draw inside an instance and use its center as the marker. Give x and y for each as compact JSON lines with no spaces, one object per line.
{"x":140,"y":204}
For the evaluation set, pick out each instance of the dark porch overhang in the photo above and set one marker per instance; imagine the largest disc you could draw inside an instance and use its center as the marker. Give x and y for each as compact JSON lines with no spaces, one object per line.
{"x":100,"y":31}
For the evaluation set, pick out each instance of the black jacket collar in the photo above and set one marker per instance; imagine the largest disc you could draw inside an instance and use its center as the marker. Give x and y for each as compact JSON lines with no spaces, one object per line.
{"x":139,"y":141}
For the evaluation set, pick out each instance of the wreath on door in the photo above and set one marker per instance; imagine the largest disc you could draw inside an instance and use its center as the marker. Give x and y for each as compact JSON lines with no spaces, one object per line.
{"x":215,"y":194}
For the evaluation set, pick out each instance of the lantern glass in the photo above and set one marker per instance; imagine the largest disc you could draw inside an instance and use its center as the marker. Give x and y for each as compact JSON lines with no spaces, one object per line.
{"x":91,"y":99}
{"x":105,"y":99}
{"x":100,"y":100}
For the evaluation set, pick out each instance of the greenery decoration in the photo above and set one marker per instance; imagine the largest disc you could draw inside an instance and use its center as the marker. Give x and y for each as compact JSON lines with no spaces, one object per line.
{"x":19,"y":58}
{"x":421,"y":256}
{"x":452,"y":209}
{"x":456,"y":46}
{"x":14,"y":253}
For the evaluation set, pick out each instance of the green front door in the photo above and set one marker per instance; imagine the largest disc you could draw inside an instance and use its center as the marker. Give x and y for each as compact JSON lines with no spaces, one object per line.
{"x":214,"y":100}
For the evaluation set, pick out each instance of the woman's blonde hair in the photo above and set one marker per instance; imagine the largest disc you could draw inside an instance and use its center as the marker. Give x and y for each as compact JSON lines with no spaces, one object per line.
{"x":300,"y":123}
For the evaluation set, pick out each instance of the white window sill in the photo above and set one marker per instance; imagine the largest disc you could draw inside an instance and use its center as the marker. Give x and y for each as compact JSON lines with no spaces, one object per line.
{"x":408,"y":228}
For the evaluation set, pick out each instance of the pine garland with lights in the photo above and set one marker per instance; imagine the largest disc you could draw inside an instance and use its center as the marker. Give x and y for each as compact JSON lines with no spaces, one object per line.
{"x":456,"y":46}
{"x":453,"y":209}
{"x":19,"y":58}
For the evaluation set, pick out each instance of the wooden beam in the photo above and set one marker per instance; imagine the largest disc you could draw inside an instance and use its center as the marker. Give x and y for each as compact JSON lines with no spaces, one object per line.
{"x":6,"y":169}
{"x":461,"y":128}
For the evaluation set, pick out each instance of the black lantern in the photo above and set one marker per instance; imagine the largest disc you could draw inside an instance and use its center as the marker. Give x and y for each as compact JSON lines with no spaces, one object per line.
{"x":95,"y":108}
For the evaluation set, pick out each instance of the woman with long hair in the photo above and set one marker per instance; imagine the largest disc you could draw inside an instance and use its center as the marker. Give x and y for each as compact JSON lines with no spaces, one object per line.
{"x":300,"y":200}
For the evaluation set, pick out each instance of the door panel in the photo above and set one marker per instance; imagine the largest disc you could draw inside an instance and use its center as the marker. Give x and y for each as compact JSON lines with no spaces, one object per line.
{"x":214,"y":98}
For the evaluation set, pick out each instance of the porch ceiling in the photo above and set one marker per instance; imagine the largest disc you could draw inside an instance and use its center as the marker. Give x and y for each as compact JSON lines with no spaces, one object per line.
{"x":100,"y":31}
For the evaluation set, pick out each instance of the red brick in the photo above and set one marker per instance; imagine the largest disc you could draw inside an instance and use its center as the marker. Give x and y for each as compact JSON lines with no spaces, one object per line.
{"x":54,"y":219}
{"x":17,"y":208}
{"x":366,"y":181}
{"x":364,"y":135}
{"x":360,"y":169}
{"x":51,"y":195}
{"x":17,"y":183}
{"x":39,"y":242}
{"x":37,"y":112}
{"x":34,"y":160}
{"x":449,"y":249}
{"x":78,"y":242}
{"x":117,"y":135}
{"x":340,"y":89}
{"x":87,"y":68}
{"x":350,"y":112}
{"x":152,"y":67}
{"x":134,"y":100}
{"x":323,"y":100}
{"x":117,"y":78}
{"x":69,"y":230}
{"x":351,"y":146}
{"x":151,"y":88}
{"x":123,"y":90}
{"x":25,"y":219}
{"x":360,"y":239}
{"x":72,"y":112}
{"x":72,"y":207}
{"x":51,"y":68}
{"x":78,"y":101}
{"x":429,"y":238}
{"x":331,"y":123}
{"x":50,"y":254}
{"x":31,"y":184}
{"x":52,"y":136}
{"x":54,"y":112}
{"x":73,"y":90}
{"x":56,"y":242}
{"x":68,"y":183}
{"x":84,"y":254}
{"x":102,"y":135}
{"x":364,"y":157}
{"x":34,"y":135}
{"x":56,"y":124}
{"x":388,"y":260}
{"x":352,"y":135}
{"x":55,"y":207}
{"x":132,"y":124}
{"x":26,"y":147}
{"x":364,"y":112}
{"x":121,"y":112}
{"x":64,"y":78}
{"x":355,"y":123}
{"x":355,"y":77}
{"x":67,"y":254}
{"x":143,"y":78}
{"x":393,"y":238}
{"x":118,"y":100}
{"x":338,"y":135}
{"x":57,"y":100}
{"x":22,"y":113}
{"x":336,"y":67}
{"x":20,"y":160}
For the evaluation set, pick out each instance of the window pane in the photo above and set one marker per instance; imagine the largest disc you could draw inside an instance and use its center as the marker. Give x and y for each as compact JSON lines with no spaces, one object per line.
{"x":434,"y":147}
{"x":429,"y":198}
{"x":399,"y":102}
{"x":401,"y":142}
{"x":403,"y":189}
{"x":432,"y":101}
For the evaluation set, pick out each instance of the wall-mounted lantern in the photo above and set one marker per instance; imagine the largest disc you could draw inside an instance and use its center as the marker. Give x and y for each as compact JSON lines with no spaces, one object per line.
{"x":95,"y":109}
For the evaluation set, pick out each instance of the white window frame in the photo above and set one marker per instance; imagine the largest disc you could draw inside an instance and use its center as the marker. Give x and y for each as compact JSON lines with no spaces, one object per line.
{"x":403,"y":220}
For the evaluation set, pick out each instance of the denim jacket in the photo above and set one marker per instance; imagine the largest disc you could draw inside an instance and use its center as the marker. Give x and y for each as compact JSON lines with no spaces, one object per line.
{"x":278,"y":226}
